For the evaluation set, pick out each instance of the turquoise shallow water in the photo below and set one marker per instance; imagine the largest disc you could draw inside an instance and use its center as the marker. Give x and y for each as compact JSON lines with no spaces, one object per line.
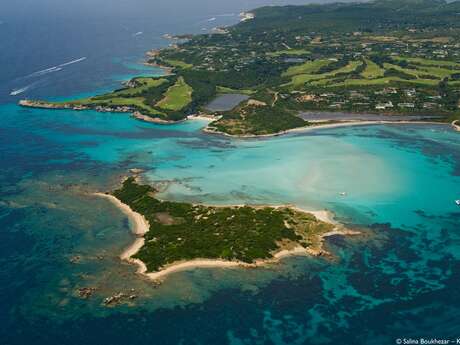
{"x":400,"y":182}
{"x":384,"y":168}
{"x":399,"y":279}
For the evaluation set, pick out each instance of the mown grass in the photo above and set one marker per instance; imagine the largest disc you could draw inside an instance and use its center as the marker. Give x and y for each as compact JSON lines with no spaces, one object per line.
{"x":178,"y":63}
{"x":143,"y":85}
{"x":423,"y":72}
{"x":307,"y":67}
{"x":223,"y":89}
{"x":324,"y":78}
{"x":289,"y":52}
{"x":372,"y":70}
{"x":384,"y":82}
{"x":132,"y":97}
{"x":428,"y":62}
{"x":177,"y":97}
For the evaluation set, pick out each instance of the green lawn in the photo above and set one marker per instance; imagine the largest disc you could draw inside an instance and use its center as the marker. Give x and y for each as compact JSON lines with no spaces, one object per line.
{"x":144,"y":85}
{"x":428,"y":62}
{"x":289,"y":52}
{"x":177,"y":97}
{"x":223,"y":89}
{"x":372,"y":70}
{"x":324,"y":78}
{"x":422,"y":72}
{"x":383,"y":81}
{"x":307,"y":67}
{"x":133,"y":97}
{"x":178,"y":63}
{"x":439,"y":72}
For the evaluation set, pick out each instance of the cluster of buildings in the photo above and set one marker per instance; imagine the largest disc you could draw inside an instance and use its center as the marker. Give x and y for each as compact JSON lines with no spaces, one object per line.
{"x":386,"y":99}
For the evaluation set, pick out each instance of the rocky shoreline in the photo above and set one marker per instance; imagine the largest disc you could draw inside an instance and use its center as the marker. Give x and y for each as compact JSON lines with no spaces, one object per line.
{"x":69,"y":106}
{"x":211,"y":129}
{"x":45,"y":105}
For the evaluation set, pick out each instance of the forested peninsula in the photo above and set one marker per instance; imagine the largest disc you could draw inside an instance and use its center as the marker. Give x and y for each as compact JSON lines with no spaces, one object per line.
{"x":385,"y":58}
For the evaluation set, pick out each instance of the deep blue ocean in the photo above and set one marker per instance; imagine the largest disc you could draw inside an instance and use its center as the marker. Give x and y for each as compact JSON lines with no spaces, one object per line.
{"x":398,"y":279}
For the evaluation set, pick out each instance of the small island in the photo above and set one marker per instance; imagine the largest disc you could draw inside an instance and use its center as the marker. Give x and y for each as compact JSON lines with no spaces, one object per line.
{"x":397,"y":60}
{"x":174,"y":235}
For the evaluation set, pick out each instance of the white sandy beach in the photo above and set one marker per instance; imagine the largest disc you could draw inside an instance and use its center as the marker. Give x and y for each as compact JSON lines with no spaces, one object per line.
{"x":139,"y":116}
{"x":208,"y":118}
{"x":215,"y":263}
{"x":140,"y":225}
{"x":324,"y":126}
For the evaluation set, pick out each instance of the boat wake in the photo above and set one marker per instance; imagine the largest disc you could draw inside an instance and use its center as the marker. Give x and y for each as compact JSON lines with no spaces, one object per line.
{"x":226,"y":15}
{"x":55,"y":68}
{"x":73,"y":61}
{"x":45,"y":71}
{"x":209,"y":20}
{"x":16,"y":92}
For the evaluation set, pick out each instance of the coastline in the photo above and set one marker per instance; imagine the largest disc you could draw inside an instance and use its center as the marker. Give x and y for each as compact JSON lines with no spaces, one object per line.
{"x":141,"y":117}
{"x":140,"y":227}
{"x":209,"y":130}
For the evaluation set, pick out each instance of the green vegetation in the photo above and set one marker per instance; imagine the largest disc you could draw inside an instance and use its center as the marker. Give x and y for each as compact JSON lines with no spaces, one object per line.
{"x":372,"y":70}
{"x":141,"y":94}
{"x":181,"y":231}
{"x":177,"y":97}
{"x":257,"y":121}
{"x":289,"y":52}
{"x":307,"y":68}
{"x":323,"y":78}
{"x":396,"y":56}
{"x":178,"y":63}
{"x":428,"y":62}
{"x":223,"y":90}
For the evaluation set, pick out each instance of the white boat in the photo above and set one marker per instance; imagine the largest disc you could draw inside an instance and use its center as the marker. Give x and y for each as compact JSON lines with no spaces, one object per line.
{"x":457,"y":202}
{"x":343,"y":193}
{"x":19,"y":91}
